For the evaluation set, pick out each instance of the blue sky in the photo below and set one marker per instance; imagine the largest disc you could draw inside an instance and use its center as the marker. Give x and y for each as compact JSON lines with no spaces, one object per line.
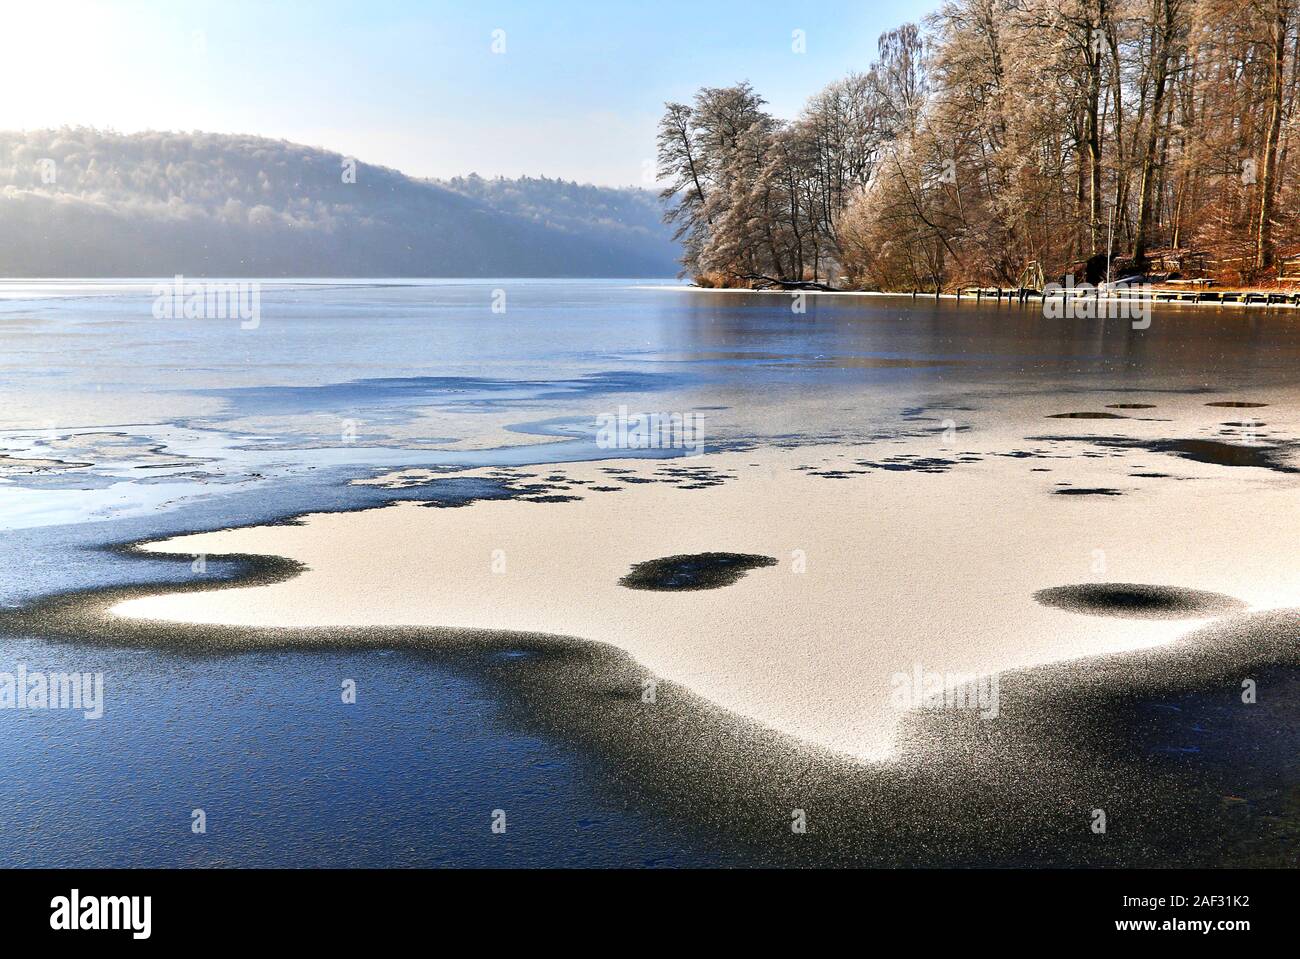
{"x":416,"y":85}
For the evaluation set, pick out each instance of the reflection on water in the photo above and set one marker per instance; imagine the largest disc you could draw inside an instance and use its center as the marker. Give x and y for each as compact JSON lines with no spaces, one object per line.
{"x":144,"y":414}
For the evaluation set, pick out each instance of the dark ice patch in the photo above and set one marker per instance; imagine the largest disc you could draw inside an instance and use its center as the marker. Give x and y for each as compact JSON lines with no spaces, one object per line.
{"x":693,"y":571}
{"x":1138,"y":601}
{"x":1216,"y":452}
{"x":1086,"y":415}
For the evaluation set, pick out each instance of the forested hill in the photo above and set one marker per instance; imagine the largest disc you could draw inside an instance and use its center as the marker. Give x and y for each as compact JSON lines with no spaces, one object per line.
{"x":630,"y":217}
{"x":79,"y":202}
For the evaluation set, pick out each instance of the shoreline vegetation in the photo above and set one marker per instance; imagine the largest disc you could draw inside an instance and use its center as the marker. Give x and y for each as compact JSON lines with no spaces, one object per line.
{"x":1011,"y":145}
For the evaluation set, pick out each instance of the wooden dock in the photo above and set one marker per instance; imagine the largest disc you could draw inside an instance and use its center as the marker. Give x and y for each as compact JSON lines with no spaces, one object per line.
{"x":1195,"y":295}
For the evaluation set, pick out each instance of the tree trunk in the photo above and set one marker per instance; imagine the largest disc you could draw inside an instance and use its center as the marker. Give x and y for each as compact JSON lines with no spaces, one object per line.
{"x":1268,"y":176}
{"x":1162,"y":42}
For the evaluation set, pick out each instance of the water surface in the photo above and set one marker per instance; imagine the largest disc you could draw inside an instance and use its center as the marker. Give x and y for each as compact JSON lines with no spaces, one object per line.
{"x":118,"y":426}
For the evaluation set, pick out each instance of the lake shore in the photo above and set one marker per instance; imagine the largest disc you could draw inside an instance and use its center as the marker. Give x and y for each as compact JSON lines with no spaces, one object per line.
{"x":1158,"y":295}
{"x":881,"y":560}
{"x":1099,"y":519}
{"x":757,"y":698}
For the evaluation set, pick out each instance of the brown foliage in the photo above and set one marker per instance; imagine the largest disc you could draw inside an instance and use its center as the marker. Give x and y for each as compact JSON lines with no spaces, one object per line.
{"x":1013,"y":138}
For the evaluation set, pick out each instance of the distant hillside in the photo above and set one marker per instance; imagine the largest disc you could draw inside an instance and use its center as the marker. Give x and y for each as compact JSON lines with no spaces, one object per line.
{"x":207,"y":204}
{"x":629,"y":217}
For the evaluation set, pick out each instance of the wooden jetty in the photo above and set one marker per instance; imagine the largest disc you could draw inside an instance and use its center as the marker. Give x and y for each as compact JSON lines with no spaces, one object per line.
{"x":1189,"y":293}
